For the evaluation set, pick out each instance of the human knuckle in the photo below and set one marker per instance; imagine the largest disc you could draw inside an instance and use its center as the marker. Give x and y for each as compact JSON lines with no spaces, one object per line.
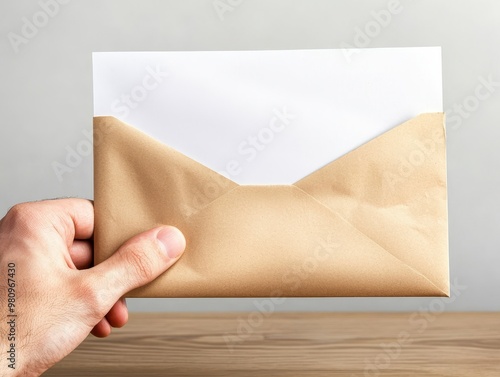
{"x":22,"y":217}
{"x":20,"y":213}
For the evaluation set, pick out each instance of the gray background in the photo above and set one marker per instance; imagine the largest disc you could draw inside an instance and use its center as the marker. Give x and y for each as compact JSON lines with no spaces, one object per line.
{"x":46,"y":103}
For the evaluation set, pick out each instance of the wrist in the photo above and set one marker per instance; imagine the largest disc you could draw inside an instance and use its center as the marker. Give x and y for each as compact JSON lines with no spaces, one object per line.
{"x":21,"y":371}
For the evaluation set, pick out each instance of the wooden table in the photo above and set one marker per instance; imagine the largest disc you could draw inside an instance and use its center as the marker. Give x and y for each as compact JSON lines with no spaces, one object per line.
{"x":293,"y":344}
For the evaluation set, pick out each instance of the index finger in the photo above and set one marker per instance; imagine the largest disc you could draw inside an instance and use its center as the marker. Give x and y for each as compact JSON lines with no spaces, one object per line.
{"x":76,"y":217}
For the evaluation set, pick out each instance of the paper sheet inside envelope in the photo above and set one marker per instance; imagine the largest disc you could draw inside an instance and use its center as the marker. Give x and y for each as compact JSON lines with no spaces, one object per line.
{"x":267,"y":117}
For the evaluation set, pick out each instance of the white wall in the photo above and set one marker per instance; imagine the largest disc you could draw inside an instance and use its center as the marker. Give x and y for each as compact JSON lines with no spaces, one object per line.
{"x":46,"y":104}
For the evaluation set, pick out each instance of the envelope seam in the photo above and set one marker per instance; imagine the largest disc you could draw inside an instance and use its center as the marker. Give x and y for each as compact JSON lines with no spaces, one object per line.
{"x":372,"y":240}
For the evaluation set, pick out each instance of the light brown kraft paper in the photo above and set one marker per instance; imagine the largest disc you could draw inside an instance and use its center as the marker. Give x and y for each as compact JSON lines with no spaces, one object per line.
{"x":371,"y":223}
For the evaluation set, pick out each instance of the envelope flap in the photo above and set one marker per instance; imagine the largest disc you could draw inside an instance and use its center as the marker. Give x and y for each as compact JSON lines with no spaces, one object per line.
{"x":136,"y":176}
{"x":393,"y":190}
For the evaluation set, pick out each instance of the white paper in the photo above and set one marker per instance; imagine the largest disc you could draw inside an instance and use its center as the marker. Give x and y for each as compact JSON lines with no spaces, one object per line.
{"x":222,"y":108}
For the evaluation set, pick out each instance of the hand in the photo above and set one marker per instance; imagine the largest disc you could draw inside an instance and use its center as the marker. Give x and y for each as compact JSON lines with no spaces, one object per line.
{"x":46,"y":252}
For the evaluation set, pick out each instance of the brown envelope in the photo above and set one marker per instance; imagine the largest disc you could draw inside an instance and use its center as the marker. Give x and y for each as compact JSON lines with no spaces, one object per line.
{"x":371,"y":223}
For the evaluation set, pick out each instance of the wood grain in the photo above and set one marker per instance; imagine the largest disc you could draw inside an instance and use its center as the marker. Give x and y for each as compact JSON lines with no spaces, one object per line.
{"x":293,"y":344}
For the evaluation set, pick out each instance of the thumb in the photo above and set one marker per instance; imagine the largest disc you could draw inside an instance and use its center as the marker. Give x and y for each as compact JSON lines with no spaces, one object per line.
{"x":137,"y":262}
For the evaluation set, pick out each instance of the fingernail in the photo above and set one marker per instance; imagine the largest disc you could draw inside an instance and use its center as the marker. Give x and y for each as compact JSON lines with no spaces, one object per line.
{"x":172,"y":240}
